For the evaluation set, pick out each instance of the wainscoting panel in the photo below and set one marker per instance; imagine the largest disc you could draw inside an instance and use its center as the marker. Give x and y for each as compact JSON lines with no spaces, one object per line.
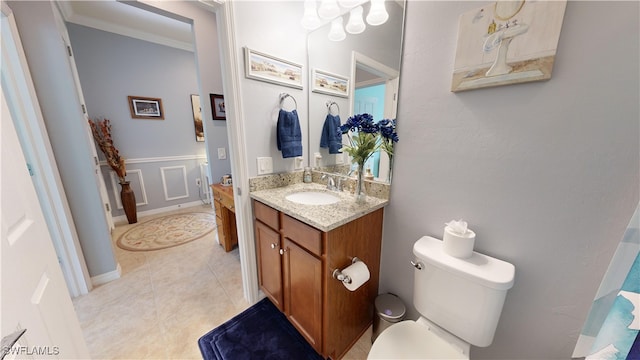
{"x":174,"y":182}
{"x":137,"y":184}
{"x":159,"y":183}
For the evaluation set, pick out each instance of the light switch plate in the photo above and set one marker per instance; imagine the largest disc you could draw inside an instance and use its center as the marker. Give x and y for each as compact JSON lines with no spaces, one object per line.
{"x":297,"y":163}
{"x":265,"y":165}
{"x":222,"y":153}
{"x":317,"y":158}
{"x":339,"y":159}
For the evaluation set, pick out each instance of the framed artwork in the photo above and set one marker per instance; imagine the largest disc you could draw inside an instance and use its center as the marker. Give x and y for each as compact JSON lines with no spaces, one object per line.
{"x":197,"y":117}
{"x":331,"y":84}
{"x":263,"y":67}
{"x":507,"y":42}
{"x":146,"y":108}
{"x":217,"y":107}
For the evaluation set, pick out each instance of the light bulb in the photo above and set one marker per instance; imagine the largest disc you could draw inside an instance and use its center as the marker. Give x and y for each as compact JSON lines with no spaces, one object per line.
{"x":378,"y":14}
{"x":336,"y":33}
{"x":328,"y":9}
{"x":310,"y":19}
{"x":356,"y":24}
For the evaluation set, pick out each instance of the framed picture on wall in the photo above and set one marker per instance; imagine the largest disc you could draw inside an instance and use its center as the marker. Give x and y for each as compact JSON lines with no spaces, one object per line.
{"x":263,"y":67}
{"x":146,"y":108}
{"x":197,"y":117}
{"x":217,"y":107}
{"x":327,"y":83}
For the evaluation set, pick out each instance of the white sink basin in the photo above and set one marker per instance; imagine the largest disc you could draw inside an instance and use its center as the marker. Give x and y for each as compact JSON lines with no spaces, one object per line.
{"x":313,"y":198}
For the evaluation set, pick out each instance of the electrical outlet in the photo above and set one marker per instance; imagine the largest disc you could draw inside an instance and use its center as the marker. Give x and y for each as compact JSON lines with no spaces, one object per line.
{"x":198,"y":182}
{"x":222,"y":153}
{"x":318,"y":158}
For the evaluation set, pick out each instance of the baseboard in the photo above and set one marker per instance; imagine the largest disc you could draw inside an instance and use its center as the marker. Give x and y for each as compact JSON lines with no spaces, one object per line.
{"x":107,"y":277}
{"x":122,"y":219}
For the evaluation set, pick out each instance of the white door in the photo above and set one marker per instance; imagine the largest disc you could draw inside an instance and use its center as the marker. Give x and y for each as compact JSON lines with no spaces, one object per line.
{"x":62,"y":29}
{"x":34,"y":295}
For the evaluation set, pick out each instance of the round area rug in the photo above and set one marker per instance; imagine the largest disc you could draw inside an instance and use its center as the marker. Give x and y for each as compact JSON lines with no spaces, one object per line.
{"x":167,"y":231}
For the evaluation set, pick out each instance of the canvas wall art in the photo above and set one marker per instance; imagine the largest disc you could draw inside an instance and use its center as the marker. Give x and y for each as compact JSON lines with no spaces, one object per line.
{"x":507,"y":42}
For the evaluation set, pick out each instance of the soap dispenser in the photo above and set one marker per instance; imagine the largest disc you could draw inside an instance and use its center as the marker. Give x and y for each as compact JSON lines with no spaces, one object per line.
{"x":307,"y":175}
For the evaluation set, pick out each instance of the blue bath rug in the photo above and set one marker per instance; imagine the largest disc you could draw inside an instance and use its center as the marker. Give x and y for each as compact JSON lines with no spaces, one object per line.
{"x":260,"y":332}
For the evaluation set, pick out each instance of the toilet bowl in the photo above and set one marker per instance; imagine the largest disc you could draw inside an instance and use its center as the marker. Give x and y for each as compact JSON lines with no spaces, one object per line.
{"x":417,"y":340}
{"x":459,"y":301}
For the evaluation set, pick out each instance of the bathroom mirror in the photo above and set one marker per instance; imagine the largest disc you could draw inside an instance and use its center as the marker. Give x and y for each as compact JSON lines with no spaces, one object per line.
{"x":370,"y":62}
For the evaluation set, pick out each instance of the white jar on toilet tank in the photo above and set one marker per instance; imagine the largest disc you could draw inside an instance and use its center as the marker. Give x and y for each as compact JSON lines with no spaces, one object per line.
{"x":458,"y":240}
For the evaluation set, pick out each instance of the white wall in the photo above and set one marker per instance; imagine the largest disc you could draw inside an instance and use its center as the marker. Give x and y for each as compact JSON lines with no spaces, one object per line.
{"x":270,"y":27}
{"x":546,"y":173}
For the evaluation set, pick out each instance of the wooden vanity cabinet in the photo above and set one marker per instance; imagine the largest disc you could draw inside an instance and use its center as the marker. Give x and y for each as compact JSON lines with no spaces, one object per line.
{"x":225,"y":216}
{"x":270,"y":263}
{"x":296,"y":262}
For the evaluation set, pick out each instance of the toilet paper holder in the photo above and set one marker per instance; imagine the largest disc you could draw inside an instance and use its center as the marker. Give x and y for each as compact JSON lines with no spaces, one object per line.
{"x":337,"y":274}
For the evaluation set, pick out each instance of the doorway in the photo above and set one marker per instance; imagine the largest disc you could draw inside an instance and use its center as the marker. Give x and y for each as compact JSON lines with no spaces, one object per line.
{"x":376,"y":88}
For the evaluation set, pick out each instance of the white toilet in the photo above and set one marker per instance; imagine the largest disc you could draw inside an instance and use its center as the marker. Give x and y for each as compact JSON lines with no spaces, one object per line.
{"x":460,"y":301}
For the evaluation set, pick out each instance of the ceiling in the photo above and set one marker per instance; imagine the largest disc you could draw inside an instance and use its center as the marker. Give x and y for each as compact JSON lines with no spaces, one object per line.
{"x":126,"y":18}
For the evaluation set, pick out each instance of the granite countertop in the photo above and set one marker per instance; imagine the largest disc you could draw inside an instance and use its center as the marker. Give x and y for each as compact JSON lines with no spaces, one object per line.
{"x":322,"y":217}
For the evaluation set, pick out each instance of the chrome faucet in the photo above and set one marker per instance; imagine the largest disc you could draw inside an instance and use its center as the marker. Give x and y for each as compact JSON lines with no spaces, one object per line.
{"x":331,"y":182}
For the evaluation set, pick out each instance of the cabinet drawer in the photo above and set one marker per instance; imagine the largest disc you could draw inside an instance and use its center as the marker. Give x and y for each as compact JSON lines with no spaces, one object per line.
{"x":216,"y":205}
{"x":227,"y":202}
{"x":267,"y":215}
{"x":304,"y":235}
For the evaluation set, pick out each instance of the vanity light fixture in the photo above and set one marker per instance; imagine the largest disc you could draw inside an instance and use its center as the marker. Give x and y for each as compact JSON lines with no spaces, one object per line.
{"x":378,"y":13}
{"x":336,"y":33}
{"x":329,"y":9}
{"x":356,"y":23}
{"x":333,"y":10}
{"x":310,"y":19}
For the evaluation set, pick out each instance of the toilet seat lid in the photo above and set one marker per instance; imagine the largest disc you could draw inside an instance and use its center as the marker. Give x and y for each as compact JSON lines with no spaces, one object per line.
{"x":410,"y":340}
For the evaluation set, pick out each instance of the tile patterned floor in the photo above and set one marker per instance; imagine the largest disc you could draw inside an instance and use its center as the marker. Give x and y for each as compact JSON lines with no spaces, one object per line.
{"x":166,"y":299}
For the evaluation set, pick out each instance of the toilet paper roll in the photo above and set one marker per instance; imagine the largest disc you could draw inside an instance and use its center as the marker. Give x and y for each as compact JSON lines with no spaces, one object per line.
{"x":359,"y":274}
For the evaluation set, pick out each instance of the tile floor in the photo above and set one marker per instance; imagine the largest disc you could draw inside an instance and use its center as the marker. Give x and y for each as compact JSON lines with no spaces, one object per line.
{"x":166,"y":299}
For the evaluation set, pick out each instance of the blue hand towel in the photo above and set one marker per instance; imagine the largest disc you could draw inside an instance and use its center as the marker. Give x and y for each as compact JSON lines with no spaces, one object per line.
{"x":330,"y":137}
{"x":289,"y":135}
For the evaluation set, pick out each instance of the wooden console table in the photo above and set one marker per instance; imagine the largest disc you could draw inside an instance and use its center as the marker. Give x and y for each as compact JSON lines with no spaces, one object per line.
{"x":225,"y":216}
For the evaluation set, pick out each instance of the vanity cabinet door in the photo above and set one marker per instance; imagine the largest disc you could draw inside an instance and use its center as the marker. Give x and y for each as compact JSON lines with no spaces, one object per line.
{"x":269,"y":263}
{"x":303,"y":292}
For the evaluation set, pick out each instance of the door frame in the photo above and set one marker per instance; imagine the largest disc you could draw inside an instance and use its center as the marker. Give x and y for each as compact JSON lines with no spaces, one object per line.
{"x":34,"y":139}
{"x":391,"y":81}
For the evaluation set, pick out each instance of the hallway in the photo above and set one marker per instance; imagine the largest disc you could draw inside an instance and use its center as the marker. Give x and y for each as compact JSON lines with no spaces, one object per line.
{"x":164,"y":301}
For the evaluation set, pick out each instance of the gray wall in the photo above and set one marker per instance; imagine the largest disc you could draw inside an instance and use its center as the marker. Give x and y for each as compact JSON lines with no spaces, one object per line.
{"x":111,"y":67}
{"x":546,"y":173}
{"x":53,"y":80}
{"x":205,"y":34}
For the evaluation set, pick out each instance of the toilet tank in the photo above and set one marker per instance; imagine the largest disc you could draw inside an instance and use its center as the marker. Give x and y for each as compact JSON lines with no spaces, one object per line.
{"x":462,"y":296}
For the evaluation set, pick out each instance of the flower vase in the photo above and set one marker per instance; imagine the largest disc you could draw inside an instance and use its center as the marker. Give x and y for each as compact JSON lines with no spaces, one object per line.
{"x":360,"y":195}
{"x":128,"y":202}
{"x":390,"y":173}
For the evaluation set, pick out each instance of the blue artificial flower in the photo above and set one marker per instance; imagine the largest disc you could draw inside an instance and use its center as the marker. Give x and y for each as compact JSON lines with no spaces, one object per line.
{"x":388,"y":129}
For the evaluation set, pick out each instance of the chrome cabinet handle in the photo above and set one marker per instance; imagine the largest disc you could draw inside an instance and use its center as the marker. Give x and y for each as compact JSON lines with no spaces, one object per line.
{"x":418,"y":265}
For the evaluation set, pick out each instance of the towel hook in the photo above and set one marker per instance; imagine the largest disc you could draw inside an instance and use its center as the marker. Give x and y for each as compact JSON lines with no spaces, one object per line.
{"x":284,"y":96}
{"x":330,"y":103}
